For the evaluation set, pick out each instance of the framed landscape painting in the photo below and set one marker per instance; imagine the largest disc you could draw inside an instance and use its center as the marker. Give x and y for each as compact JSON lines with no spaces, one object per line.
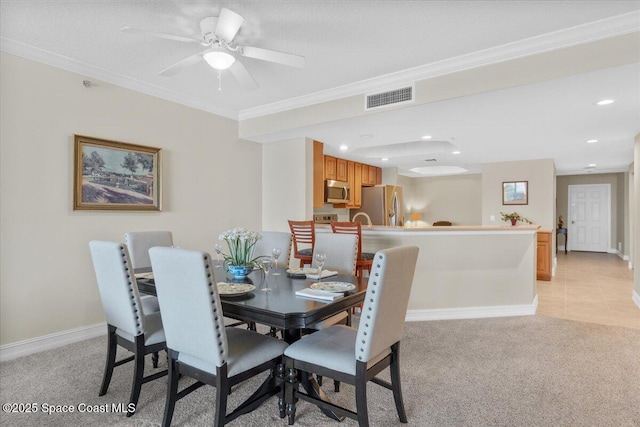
{"x":111,"y":175}
{"x":515,"y":193}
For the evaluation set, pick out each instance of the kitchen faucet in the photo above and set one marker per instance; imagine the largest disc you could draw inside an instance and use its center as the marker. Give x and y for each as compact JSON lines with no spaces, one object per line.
{"x":365,"y":215}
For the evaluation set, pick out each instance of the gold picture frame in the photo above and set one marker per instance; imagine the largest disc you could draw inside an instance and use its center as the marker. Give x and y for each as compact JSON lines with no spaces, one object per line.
{"x":116,"y":176}
{"x":515,"y":193}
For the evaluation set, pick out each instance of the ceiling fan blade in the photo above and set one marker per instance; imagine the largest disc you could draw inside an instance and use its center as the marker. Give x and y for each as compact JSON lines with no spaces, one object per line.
{"x":179,"y":66}
{"x":229,"y":23}
{"x":242,"y":76}
{"x":160,"y":35}
{"x":273,"y":56}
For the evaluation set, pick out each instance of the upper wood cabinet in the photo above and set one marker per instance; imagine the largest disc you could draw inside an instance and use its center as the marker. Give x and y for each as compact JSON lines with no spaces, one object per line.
{"x":372,"y":175}
{"x":356,"y":174}
{"x":356,"y":192}
{"x":341,"y":170}
{"x":330,"y":168}
{"x":365,"y":174}
{"x":318,"y":174}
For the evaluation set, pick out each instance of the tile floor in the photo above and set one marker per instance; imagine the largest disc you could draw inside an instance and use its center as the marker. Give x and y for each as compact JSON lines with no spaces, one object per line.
{"x":590,"y":287}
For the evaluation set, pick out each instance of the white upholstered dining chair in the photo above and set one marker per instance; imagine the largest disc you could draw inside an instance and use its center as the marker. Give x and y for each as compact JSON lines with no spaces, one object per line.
{"x":356,"y":356}
{"x":198,"y":343}
{"x":342,"y":252}
{"x":138,"y":243}
{"x":128,"y":324}
{"x":271,"y":240}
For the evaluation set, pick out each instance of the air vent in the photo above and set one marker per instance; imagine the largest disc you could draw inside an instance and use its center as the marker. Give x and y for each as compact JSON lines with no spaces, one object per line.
{"x":430,"y":160}
{"x":389,"y":97}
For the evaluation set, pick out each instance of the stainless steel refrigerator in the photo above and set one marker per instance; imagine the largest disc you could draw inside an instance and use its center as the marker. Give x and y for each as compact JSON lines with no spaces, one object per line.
{"x":383,"y":204}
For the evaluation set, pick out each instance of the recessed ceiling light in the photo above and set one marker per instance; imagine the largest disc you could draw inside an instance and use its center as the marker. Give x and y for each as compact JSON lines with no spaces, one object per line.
{"x":592,"y":165}
{"x":591,"y":141}
{"x":605,"y":102}
{"x":427,"y":137}
{"x":366,"y":135}
{"x":344,"y":147}
{"x":456,"y":152}
{"x":384,"y":159}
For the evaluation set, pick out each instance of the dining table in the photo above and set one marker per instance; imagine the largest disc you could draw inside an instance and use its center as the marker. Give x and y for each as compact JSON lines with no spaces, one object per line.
{"x":281,"y":308}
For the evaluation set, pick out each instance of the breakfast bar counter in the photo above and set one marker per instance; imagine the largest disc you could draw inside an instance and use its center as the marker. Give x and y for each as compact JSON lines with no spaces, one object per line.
{"x":465,"y":271}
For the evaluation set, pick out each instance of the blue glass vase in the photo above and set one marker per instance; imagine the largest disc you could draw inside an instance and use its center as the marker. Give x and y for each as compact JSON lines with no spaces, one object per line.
{"x":239,"y":271}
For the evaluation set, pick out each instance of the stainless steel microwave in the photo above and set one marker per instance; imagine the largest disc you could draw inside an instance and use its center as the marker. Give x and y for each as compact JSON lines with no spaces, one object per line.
{"x":336,"y":191}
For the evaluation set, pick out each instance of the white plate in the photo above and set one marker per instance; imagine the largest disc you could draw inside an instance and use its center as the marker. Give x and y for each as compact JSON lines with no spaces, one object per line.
{"x":333,"y":286}
{"x":302,"y":271}
{"x":234,"y":289}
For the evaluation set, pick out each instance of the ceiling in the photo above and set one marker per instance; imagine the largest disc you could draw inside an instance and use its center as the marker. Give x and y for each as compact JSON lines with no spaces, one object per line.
{"x":357,"y":44}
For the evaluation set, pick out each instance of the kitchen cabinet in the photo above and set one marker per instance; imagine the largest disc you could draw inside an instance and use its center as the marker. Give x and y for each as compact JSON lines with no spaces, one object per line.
{"x":318,"y":174}
{"x":365,"y":175}
{"x":356,"y":193}
{"x":543,"y":267}
{"x":378,"y":176}
{"x":351,"y":179}
{"x":341,"y":170}
{"x":330,"y":168}
{"x":372,"y":175}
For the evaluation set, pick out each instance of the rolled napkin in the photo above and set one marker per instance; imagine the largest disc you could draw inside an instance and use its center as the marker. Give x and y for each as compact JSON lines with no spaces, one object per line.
{"x":325,"y":273}
{"x":318,"y":294}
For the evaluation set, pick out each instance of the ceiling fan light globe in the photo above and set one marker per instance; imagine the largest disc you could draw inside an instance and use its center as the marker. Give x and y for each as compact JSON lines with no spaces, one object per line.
{"x":219,"y":60}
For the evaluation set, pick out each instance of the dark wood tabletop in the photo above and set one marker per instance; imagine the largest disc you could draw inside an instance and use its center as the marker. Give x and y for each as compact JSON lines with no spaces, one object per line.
{"x":281,"y":308}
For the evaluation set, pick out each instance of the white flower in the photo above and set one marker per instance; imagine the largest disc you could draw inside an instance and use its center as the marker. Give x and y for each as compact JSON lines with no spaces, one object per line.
{"x":241,"y":243}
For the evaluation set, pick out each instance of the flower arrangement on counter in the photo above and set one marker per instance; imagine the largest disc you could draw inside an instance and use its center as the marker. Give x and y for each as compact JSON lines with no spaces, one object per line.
{"x":241,"y":243}
{"x":514,"y":217}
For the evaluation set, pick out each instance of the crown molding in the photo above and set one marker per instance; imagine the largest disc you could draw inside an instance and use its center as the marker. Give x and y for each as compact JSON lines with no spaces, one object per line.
{"x":581,"y":34}
{"x":59,"y":61}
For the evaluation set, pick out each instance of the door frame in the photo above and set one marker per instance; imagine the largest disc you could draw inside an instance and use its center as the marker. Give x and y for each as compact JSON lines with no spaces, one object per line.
{"x":570,"y":227}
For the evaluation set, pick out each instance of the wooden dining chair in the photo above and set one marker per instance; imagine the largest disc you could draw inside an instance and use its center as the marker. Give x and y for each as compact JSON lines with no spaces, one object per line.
{"x":304,"y":233}
{"x":356,"y":356}
{"x":365,"y":259}
{"x":199,"y":345}
{"x":128,"y":324}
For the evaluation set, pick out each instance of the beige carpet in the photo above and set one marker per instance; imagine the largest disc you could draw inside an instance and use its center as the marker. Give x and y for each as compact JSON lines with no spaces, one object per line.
{"x":521,"y":371}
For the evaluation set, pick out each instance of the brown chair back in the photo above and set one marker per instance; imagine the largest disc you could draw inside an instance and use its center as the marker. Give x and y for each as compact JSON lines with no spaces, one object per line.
{"x":442,"y":223}
{"x":303,"y":232}
{"x":348,"y":227}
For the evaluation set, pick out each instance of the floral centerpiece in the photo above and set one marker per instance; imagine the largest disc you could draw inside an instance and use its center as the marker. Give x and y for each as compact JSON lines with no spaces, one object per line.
{"x":241,"y":242}
{"x":514,"y":217}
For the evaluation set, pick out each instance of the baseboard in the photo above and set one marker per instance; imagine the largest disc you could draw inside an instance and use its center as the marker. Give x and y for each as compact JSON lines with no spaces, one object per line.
{"x":47,"y":342}
{"x":473,"y":312}
{"x":622,"y":256}
{"x":636,"y":298}
{"x":613,"y":251}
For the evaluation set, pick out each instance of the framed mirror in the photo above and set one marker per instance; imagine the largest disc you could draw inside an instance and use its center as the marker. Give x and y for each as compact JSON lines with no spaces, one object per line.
{"x":515,"y":193}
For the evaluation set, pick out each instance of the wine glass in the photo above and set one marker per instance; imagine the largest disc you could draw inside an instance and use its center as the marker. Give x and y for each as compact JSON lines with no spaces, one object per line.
{"x":218,"y":249}
{"x":275,"y":254}
{"x":321,"y":257}
{"x":265,"y":265}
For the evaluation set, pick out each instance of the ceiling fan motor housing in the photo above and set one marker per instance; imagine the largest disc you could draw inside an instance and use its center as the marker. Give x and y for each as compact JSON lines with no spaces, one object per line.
{"x":208,"y":30}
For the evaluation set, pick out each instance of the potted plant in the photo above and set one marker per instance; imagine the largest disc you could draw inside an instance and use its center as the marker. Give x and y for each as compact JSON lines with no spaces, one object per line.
{"x":241,"y":242}
{"x":514,"y":217}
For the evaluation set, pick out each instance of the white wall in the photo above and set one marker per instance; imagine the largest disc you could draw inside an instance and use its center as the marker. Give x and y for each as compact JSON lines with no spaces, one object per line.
{"x":447,"y":198}
{"x":284,"y":183}
{"x":636,"y":217}
{"x":212,"y":181}
{"x":541,"y":204}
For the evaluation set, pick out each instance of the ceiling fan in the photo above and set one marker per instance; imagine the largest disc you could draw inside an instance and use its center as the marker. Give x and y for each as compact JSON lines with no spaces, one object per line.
{"x":218,"y":34}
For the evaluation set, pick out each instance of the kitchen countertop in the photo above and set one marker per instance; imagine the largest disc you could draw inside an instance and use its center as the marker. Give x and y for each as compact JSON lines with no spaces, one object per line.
{"x":452,"y":228}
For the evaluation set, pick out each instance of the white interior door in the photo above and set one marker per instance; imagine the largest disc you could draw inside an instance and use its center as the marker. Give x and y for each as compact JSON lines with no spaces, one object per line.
{"x":589,"y":217}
